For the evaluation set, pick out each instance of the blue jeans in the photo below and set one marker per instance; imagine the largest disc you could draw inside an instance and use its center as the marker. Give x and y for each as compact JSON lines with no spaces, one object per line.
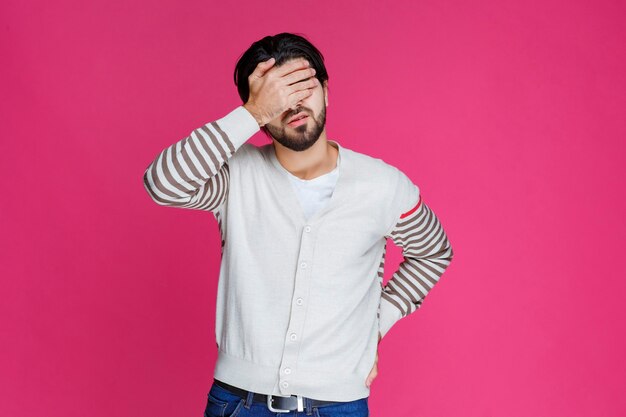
{"x":223,"y":403}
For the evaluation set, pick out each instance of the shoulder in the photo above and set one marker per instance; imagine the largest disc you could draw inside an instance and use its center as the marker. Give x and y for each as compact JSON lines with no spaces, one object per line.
{"x":371,"y":167}
{"x":246,"y":153}
{"x":396,"y":180}
{"x":399,"y":192}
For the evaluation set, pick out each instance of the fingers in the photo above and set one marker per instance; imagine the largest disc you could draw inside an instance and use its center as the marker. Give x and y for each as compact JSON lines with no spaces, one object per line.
{"x":276,"y":88}
{"x":299,"y":75}
{"x":309,"y":84}
{"x":300,"y":95}
{"x":371,"y":377}
{"x":263,"y":67}
{"x":290,"y":66}
{"x":373,"y":373}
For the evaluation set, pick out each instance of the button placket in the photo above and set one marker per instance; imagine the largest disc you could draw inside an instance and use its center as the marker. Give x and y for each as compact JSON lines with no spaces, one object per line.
{"x":296,"y":319}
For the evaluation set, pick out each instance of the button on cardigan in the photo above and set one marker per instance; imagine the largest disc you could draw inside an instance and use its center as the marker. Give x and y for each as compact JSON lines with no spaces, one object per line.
{"x":300,"y":302}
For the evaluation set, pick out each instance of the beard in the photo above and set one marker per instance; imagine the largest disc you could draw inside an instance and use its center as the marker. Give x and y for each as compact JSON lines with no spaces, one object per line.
{"x":300,"y":138}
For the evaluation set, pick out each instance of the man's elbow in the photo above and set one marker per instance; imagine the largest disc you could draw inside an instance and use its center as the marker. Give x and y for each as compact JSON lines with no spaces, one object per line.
{"x":446,"y":255}
{"x":150,"y":188}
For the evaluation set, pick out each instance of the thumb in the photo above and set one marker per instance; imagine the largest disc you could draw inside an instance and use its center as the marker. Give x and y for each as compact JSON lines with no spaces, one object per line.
{"x":263,"y":67}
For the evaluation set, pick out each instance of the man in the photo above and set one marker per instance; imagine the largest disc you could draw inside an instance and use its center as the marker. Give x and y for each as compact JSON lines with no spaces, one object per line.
{"x":304,"y":222}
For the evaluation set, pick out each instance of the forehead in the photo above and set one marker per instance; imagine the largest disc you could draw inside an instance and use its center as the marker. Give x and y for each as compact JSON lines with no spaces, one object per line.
{"x":297,"y":59}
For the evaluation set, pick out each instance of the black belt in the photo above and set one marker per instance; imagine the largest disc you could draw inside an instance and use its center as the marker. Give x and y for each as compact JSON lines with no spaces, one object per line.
{"x":274,"y":402}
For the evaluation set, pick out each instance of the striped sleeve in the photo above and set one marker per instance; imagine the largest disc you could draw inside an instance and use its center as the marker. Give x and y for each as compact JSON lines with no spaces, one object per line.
{"x":427,"y":253}
{"x":194,"y":173}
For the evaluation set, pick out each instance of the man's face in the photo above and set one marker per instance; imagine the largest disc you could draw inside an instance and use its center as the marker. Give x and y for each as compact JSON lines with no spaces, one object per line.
{"x":305,"y":133}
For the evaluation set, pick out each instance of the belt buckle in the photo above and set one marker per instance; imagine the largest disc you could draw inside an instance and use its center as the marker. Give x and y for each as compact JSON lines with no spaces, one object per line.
{"x":280,"y":410}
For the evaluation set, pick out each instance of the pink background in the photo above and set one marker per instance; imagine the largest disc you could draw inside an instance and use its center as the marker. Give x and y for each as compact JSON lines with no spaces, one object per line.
{"x":509,"y":115}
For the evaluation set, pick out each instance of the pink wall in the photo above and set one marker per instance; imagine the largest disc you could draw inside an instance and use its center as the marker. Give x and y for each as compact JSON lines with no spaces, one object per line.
{"x":509,"y":115}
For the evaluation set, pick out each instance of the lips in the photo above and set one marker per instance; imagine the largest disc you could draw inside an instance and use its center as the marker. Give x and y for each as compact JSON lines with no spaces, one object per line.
{"x":298,"y":116}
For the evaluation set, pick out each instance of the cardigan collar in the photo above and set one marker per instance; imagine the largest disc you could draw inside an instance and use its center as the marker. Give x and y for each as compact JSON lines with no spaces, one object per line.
{"x":289,"y":195}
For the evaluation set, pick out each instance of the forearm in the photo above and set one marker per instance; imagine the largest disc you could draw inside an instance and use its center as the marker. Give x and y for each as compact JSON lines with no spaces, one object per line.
{"x":427,"y":253}
{"x":193,"y":172}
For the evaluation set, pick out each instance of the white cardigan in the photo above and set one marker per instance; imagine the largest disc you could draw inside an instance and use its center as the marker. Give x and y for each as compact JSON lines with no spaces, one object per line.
{"x":300,"y":302}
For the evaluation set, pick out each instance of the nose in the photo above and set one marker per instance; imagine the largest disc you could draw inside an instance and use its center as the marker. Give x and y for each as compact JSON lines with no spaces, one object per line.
{"x":297,"y":105}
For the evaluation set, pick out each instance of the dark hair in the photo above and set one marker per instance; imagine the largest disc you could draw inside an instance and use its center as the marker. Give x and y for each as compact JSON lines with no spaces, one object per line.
{"x":283,"y":47}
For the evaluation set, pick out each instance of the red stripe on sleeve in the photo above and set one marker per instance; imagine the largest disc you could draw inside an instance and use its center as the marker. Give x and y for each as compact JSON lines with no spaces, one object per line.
{"x":402,"y":216}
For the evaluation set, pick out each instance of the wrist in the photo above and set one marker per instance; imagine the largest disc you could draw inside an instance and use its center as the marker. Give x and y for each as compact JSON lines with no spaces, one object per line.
{"x":254,"y":114}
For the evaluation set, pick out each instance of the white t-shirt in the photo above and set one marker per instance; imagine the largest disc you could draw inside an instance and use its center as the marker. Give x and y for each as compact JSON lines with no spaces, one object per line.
{"x":315,"y":193}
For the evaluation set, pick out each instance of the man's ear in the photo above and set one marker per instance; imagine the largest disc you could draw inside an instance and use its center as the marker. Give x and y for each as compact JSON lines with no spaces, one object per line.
{"x":325,"y":85}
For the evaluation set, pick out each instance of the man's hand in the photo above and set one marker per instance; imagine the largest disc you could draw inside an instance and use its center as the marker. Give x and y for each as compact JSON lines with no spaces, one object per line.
{"x":273,"y":90}
{"x":374,"y":372}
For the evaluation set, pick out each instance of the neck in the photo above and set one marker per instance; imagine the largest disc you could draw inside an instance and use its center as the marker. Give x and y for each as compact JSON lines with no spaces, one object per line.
{"x":319,"y":159}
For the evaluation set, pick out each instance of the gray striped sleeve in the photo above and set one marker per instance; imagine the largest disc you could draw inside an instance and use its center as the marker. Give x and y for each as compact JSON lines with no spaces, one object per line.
{"x":194,"y":173}
{"x":427,"y":253}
